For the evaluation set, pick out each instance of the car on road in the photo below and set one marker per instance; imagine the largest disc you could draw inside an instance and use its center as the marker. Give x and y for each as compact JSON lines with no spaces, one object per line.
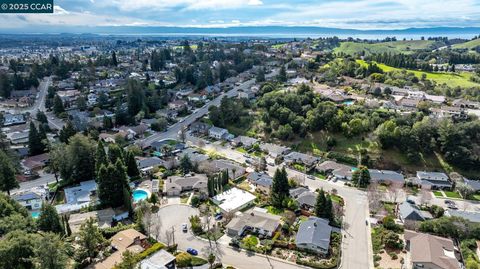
{"x":184,"y":227}
{"x":192,"y":251}
{"x":311,"y":177}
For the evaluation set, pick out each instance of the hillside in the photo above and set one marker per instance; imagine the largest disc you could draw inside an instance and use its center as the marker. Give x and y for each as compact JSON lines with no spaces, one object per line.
{"x":405,"y":47}
{"x":453,"y":80}
{"x":468,"y":45}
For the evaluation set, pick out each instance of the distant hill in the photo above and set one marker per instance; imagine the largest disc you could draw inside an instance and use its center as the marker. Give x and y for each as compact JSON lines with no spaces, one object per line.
{"x":468,"y":45}
{"x":405,"y":47}
{"x":269,"y":31}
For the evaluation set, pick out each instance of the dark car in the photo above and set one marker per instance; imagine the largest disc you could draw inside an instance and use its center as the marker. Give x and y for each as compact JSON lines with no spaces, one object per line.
{"x":192,"y":251}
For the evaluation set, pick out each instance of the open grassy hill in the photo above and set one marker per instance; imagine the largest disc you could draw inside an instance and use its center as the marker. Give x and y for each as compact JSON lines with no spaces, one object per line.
{"x":468,"y":45}
{"x":405,"y":47}
{"x":451,"y":79}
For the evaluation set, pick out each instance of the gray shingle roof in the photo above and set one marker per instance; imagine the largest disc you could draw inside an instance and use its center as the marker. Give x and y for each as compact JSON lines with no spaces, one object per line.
{"x":315,"y":231}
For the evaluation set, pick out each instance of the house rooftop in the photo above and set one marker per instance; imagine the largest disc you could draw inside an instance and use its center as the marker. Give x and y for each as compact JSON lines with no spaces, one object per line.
{"x":233,"y":199}
{"x":314,"y":231}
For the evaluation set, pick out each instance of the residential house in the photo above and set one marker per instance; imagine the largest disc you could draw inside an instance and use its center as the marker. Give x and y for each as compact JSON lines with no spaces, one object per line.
{"x":314,"y":235}
{"x":337,"y":170}
{"x":103,"y":217}
{"x":18,"y":137}
{"x":37,"y":162}
{"x":305,"y":198}
{"x":474,"y":184}
{"x":194,"y":156}
{"x":78,"y":197}
{"x":130,"y":240}
{"x":471,"y":216}
{"x":13,"y":119}
{"x":177,"y":105}
{"x":431,"y":252}
{"x":274,"y":150}
{"x":233,"y":200}
{"x":433,"y":180}
{"x":296,"y":157}
{"x":200,"y":128}
{"x":244,"y":141}
{"x":409,"y":214}
{"x":219,"y":133}
{"x":175,"y":185}
{"x":255,"y":220}
{"x":261,"y":181}
{"x":30,"y":200}
{"x":147,"y":164}
{"x":160,"y":260}
{"x":247,"y":94}
{"x":214,"y":166}
{"x":387,"y":177}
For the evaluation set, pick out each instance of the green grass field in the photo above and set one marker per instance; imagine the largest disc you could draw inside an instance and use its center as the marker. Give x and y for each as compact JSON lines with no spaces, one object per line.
{"x":451,"y":79}
{"x":437,"y":193}
{"x":468,"y":45}
{"x":405,"y":47}
{"x":452,"y":194}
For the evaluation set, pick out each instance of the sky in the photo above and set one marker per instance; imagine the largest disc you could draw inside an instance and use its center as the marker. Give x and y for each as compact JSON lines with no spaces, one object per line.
{"x":348,"y":14}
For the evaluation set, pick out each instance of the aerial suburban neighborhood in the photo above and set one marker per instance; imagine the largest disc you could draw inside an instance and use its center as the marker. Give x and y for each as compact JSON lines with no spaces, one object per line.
{"x":229,"y":150}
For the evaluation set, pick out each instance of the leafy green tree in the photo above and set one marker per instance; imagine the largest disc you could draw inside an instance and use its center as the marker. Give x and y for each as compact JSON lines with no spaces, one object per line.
{"x":361,"y":177}
{"x":79,"y":162}
{"x":8,"y":181}
{"x":260,"y":75}
{"x":280,"y":188}
{"x":90,"y":241}
{"x":132,"y":168}
{"x":49,"y":221}
{"x":41,"y":117}
{"x":17,"y":250}
{"x":129,"y":260}
{"x":50,"y":252}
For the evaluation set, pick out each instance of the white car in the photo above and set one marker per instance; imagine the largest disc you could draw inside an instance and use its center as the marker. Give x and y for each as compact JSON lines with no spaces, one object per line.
{"x":184,"y":227}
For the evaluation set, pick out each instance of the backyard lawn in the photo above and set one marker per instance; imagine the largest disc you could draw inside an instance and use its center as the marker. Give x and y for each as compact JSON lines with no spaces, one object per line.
{"x":274,"y":210}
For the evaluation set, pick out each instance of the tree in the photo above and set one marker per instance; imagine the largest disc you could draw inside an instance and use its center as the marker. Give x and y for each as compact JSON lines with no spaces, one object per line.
{"x":112,"y":180}
{"x":41,"y":117}
{"x":320,"y":204}
{"x":464,"y":189}
{"x":35,"y":144}
{"x":8,"y":181}
{"x":58,"y":107}
{"x":49,"y":221}
{"x":17,"y":250}
{"x":211,"y":259}
{"x":129,"y":261}
{"x":114,"y":59}
{"x":90,"y":240}
{"x":282,"y":74}
{"x":185,"y":164}
{"x":115,"y":153}
{"x":50,"y":252}
{"x":260,"y":75}
{"x":361,"y":177}
{"x":280,"y":188}
{"x":100,"y":156}
{"x":154,"y":198}
{"x":67,"y":131}
{"x":79,"y":162}
{"x":132,"y":169}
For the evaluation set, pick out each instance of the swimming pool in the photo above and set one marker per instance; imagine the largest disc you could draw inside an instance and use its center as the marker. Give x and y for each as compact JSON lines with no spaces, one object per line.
{"x":139,"y":195}
{"x":35,"y":214}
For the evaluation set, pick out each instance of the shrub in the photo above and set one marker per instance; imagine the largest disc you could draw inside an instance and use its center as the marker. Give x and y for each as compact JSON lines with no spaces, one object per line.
{"x":184,"y":259}
{"x":149,"y":251}
{"x":376,"y":257}
{"x":393,"y":255}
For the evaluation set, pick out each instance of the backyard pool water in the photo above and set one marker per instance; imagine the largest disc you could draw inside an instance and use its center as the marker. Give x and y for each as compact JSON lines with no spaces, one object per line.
{"x":139,"y":195}
{"x":35,"y":214}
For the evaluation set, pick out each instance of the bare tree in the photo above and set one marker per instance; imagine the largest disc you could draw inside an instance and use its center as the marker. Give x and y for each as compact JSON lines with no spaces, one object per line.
{"x":394,"y":193}
{"x":425,"y":197}
{"x":374,"y":198}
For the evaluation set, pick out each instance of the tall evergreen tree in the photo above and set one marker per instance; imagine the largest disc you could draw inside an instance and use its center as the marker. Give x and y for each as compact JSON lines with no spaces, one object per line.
{"x":320,"y":204}
{"x":115,"y":153}
{"x":282,"y":74}
{"x":58,"y":107}
{"x":35,"y":145}
{"x":8,"y":181}
{"x":112,"y":181}
{"x":67,"y":131}
{"x":100,"y":156}
{"x":49,"y":221}
{"x":132,"y":168}
{"x":114,"y":59}
{"x":280,"y":188}
{"x":185,"y":164}
{"x":260,"y":75}
{"x":50,"y":252}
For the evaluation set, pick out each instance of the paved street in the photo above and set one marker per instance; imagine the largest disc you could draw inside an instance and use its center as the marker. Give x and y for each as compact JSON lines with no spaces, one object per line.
{"x":174,"y":215}
{"x":172,"y":131}
{"x":42,"y":181}
{"x":356,"y":247}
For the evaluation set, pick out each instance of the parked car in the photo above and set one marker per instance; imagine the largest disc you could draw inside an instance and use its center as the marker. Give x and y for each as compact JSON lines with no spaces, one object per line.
{"x":192,"y":251}
{"x":184,"y":227}
{"x":311,"y":177}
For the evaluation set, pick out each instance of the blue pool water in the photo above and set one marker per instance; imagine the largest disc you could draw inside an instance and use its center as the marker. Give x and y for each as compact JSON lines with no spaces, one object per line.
{"x":139,"y":195}
{"x":348,"y":103}
{"x":35,"y":214}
